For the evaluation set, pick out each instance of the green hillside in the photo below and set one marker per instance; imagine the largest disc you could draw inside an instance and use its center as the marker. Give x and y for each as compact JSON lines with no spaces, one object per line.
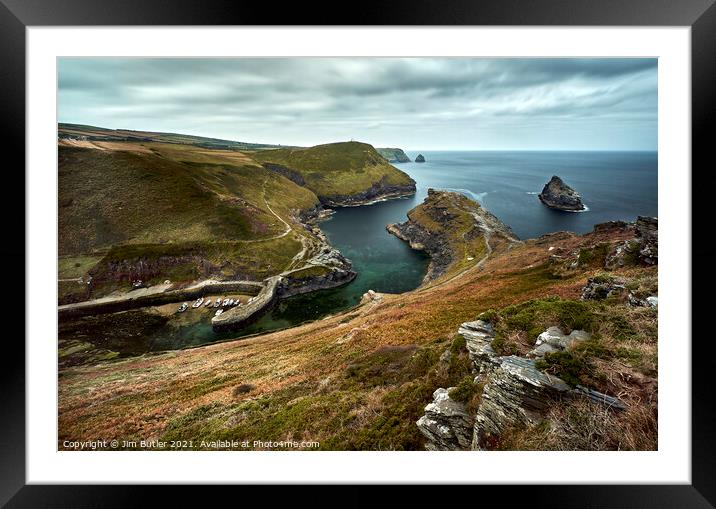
{"x":162,"y":213}
{"x":339,"y":169}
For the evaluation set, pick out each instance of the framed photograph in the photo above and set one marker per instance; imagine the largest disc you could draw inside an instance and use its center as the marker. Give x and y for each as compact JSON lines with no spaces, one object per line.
{"x":416,"y":250}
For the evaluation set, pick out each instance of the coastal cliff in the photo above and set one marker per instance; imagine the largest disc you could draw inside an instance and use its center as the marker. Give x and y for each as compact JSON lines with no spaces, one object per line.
{"x":340,"y":174}
{"x":394,"y":155}
{"x":455,"y":231}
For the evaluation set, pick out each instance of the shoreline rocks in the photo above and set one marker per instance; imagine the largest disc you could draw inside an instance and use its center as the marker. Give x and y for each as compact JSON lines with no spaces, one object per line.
{"x":379,"y":191}
{"x":420,"y":158}
{"x":558,"y":195}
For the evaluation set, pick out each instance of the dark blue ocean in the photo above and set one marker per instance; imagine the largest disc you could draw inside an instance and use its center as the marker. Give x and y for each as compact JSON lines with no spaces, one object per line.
{"x":613,"y":185}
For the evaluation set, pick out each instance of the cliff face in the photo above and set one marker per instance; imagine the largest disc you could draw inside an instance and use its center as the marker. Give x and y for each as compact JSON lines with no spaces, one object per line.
{"x":455,"y":231}
{"x":558,"y":195}
{"x":381,"y":190}
{"x":340,"y":174}
{"x":394,"y":155}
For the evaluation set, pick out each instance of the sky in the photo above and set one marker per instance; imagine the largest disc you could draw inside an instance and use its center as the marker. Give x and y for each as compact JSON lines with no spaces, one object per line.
{"x":411,"y":103}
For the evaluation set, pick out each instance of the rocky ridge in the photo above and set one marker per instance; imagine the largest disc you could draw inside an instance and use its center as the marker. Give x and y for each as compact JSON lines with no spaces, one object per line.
{"x":443,"y":224}
{"x":515,"y":393}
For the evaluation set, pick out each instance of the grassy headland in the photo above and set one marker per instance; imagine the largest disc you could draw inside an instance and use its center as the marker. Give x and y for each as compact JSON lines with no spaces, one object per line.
{"x":339,"y":171}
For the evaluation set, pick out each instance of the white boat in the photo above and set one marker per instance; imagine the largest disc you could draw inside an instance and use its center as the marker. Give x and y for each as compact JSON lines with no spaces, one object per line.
{"x":217,"y":303}
{"x":231,"y":302}
{"x":226,"y":302}
{"x":183,"y":307}
{"x":218,"y":312}
{"x":198,"y":302}
{"x":207,"y":303}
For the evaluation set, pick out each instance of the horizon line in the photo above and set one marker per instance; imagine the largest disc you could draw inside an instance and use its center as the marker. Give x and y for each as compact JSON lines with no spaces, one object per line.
{"x":374,"y":145}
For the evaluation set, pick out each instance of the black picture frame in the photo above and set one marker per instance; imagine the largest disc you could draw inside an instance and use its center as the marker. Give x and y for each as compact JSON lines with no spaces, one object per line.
{"x":700,"y":15}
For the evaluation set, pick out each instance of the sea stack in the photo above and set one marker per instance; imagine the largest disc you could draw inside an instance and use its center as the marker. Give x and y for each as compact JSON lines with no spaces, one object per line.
{"x":558,"y":195}
{"x":420,"y":159}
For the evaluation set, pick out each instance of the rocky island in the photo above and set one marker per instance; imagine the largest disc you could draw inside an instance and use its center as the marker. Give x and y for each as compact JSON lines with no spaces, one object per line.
{"x":420,"y":158}
{"x":558,"y":195}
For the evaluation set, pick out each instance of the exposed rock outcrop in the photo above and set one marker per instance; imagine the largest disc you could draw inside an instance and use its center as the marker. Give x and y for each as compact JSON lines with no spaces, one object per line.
{"x":515,"y":392}
{"x":643,"y":249}
{"x":446,"y":423}
{"x":338,"y":272}
{"x":558,"y":195}
{"x":379,"y":191}
{"x":647,"y":230}
{"x":651,"y":301}
{"x":554,"y":340}
{"x":602,"y":287}
{"x":420,"y":158}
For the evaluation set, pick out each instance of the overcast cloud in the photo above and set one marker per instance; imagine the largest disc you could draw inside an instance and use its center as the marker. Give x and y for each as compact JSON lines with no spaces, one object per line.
{"x":413,"y":103}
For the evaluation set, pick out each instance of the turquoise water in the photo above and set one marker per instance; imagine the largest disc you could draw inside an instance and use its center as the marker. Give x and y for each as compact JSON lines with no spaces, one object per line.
{"x":614,"y":186}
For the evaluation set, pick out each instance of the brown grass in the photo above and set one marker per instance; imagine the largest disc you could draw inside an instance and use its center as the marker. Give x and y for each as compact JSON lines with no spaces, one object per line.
{"x":300,"y":376}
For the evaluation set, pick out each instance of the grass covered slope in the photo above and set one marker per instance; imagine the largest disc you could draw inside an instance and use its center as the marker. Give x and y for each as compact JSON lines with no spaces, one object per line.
{"x":454,"y":230}
{"x":155,"y":211}
{"x":341,"y":173}
{"x":361,"y":379}
{"x":87,"y":132}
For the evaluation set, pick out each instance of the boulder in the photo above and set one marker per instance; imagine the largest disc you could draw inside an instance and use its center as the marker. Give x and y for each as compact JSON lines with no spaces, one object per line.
{"x":554,"y":340}
{"x":651,"y":301}
{"x":446,"y":423}
{"x":558,"y":195}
